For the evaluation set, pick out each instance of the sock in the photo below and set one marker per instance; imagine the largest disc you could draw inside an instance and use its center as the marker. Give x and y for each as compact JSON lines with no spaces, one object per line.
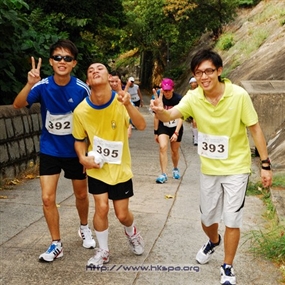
{"x":56,"y":241}
{"x":84,"y":226}
{"x":130,"y":230}
{"x":102,"y":238}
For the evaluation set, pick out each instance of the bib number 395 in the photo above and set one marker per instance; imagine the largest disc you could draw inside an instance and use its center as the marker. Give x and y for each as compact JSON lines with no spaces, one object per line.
{"x":213,"y":147}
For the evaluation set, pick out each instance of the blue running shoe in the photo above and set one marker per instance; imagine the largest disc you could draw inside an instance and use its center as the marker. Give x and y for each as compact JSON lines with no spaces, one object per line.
{"x":162,"y":178}
{"x":175,"y":173}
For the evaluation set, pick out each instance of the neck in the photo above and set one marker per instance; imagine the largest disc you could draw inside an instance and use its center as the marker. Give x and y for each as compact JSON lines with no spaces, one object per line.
{"x":61,"y":80}
{"x":214,"y":96}
{"x":100,"y":95}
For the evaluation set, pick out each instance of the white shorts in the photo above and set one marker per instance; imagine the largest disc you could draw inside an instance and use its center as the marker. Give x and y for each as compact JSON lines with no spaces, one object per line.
{"x":222,"y":198}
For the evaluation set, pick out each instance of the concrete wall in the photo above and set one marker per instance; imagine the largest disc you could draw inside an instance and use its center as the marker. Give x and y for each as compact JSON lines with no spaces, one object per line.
{"x":19,"y":140}
{"x":268,"y":98}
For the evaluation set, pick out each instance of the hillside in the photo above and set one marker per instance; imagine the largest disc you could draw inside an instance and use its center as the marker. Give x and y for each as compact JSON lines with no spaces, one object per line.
{"x":258,"y":51}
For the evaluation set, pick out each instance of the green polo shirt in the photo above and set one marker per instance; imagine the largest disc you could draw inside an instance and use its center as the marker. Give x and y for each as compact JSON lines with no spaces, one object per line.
{"x":228,"y":119}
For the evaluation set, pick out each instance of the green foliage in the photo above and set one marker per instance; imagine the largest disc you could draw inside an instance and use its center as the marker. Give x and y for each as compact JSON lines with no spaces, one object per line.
{"x":248,"y":3}
{"x":225,"y":42}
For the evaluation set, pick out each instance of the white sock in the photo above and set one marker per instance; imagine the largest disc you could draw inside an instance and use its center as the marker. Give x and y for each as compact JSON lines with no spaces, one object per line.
{"x":84,"y":227}
{"x":102,"y":238}
{"x":130,"y":230}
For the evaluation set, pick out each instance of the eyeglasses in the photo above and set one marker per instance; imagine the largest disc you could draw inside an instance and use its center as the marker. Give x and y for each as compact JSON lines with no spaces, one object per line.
{"x":208,"y":71}
{"x":66,"y":58}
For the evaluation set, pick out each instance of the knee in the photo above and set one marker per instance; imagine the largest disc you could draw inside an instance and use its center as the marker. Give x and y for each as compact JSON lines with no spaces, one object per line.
{"x":48,"y":200}
{"x":123,"y":216}
{"x":101,"y":209}
{"x":83,"y":195}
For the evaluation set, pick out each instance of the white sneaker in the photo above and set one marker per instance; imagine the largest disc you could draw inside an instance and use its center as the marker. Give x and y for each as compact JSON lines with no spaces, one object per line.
{"x":101,"y":256}
{"x":228,"y":275}
{"x":87,"y":238}
{"x":136,"y":242}
{"x":54,"y":251}
{"x":205,"y":253}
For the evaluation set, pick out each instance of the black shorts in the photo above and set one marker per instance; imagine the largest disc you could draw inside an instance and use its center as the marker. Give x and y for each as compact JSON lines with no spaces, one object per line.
{"x":50,"y":165}
{"x":115,"y":192}
{"x":137,"y":103}
{"x":169,"y":131}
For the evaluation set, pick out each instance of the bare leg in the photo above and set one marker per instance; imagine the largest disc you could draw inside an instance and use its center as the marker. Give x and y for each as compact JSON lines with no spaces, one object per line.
{"x":49,"y":185}
{"x":81,"y":199}
{"x":231,"y":241}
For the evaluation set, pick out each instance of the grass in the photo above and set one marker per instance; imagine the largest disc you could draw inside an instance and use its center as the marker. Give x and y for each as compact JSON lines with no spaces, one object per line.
{"x":269,"y":244}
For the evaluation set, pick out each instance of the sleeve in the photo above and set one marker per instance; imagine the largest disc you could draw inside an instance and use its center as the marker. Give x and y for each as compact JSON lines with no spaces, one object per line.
{"x":78,"y":130}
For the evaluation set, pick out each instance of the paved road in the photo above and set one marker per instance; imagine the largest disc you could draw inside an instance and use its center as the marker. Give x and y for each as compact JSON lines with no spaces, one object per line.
{"x":170,"y":227}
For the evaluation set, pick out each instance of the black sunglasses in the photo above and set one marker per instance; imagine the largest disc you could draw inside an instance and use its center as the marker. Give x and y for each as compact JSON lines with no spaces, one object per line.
{"x":66,"y":58}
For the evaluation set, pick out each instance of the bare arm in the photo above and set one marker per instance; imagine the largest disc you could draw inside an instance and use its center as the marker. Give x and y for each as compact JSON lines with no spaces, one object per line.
{"x":140,"y":94}
{"x":87,"y":161}
{"x":137,"y":118}
{"x":161,"y":114}
{"x":33,"y":77}
{"x":260,"y":143}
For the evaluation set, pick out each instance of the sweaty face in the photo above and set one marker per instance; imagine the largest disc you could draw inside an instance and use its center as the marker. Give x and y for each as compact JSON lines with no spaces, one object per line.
{"x":168,"y":93}
{"x":206,"y":75}
{"x":115,"y":83}
{"x":97,"y":74}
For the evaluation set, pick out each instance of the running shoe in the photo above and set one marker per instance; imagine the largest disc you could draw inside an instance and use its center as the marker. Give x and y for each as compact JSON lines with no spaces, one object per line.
{"x":54,"y":251}
{"x":175,"y":173}
{"x":100,"y":258}
{"x":87,"y":238}
{"x":162,"y":178}
{"x":205,"y":253}
{"x":136,"y":242}
{"x":227,"y":275}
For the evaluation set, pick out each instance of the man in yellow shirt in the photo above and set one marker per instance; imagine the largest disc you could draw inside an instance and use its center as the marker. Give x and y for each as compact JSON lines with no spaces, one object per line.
{"x":223,"y":112}
{"x":100,"y":123}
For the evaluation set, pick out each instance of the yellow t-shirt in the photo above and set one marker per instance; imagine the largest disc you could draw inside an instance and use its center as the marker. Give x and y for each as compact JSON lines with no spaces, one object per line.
{"x":108,"y":124}
{"x":222,"y":129}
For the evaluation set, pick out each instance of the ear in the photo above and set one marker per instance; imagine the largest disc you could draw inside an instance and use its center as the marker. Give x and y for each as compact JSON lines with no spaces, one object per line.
{"x":220,"y":70}
{"x":74,"y":63}
{"x":50,"y":61}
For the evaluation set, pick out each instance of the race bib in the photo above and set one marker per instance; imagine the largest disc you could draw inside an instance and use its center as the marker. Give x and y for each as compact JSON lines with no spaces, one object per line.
{"x":171,"y":124}
{"x":110,"y":152}
{"x":213,"y":147}
{"x":60,"y":125}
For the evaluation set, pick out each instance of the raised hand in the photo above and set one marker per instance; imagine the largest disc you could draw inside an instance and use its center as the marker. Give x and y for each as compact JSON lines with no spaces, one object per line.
{"x":34,"y":75}
{"x":124,"y":97}
{"x":156,"y":104}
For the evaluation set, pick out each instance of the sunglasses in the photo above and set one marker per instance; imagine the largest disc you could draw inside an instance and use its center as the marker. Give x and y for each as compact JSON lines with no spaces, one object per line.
{"x":66,"y":58}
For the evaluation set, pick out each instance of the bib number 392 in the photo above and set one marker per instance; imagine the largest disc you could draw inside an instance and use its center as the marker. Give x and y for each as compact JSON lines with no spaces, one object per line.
{"x":213,"y":147}
{"x":60,"y":125}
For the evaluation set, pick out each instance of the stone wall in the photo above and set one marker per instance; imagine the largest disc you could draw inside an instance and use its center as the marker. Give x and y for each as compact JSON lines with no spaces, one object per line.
{"x":268,"y":98}
{"x":19,"y":140}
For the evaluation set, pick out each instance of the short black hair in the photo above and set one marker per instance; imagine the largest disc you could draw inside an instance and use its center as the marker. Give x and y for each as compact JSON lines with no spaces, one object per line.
{"x":206,"y":54}
{"x":115,"y":73}
{"x":65,"y":44}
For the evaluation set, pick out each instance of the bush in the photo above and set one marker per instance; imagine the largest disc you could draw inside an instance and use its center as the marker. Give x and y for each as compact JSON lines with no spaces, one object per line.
{"x":225,"y":42}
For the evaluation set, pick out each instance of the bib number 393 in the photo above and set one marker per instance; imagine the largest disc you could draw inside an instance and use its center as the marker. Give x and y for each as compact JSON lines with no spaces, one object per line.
{"x":213,"y":147}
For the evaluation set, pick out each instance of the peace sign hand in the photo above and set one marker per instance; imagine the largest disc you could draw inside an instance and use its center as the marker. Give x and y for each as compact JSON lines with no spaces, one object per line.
{"x":156,"y":104}
{"x":34,"y":75}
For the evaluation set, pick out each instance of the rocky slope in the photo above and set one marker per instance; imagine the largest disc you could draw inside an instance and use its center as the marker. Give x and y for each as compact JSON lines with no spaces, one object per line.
{"x":258,"y":53}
